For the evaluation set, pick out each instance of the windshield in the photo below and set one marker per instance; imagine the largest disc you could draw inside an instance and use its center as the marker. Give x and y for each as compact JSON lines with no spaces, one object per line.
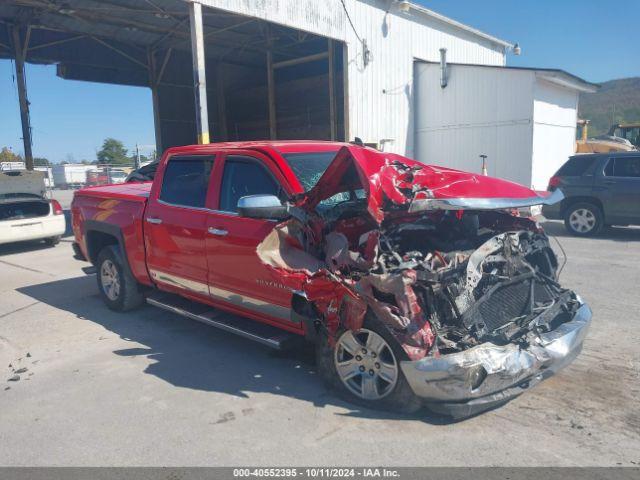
{"x":309,"y":167}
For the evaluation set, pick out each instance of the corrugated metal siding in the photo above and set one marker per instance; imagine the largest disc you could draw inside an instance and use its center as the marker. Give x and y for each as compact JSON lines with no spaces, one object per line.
{"x":481,"y":111}
{"x":322,"y":17}
{"x":554,"y":130}
{"x":380,"y":94}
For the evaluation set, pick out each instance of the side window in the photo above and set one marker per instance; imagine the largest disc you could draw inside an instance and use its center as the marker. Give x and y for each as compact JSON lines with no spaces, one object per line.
{"x":244,"y":176}
{"x":609,"y":167}
{"x":627,"y":167}
{"x":186,"y":179}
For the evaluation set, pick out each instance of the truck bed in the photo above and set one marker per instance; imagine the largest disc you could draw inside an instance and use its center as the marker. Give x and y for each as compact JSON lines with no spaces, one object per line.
{"x":125,"y":191}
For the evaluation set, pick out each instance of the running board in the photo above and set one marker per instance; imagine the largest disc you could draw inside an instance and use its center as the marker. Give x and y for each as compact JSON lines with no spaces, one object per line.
{"x":258,"y":332}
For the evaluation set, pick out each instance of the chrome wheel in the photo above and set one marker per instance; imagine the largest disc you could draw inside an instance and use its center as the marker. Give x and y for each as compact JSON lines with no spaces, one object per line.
{"x":582,"y":220}
{"x":366,"y":364}
{"x":110,"y":280}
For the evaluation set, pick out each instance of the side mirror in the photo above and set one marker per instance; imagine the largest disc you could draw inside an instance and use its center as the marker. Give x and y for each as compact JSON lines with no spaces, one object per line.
{"x":262,"y":206}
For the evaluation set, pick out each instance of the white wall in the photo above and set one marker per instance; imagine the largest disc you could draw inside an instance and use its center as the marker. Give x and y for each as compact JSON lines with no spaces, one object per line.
{"x":380,"y":93}
{"x":481,"y":111}
{"x":554,"y":130}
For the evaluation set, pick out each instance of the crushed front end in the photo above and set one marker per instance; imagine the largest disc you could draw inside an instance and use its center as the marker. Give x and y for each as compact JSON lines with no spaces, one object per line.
{"x":467,"y":288}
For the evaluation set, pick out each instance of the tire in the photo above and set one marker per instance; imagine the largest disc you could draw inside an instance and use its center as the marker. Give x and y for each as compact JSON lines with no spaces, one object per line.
{"x":583,"y":219}
{"x":52,"y":241}
{"x":395,"y":396}
{"x":118,"y":289}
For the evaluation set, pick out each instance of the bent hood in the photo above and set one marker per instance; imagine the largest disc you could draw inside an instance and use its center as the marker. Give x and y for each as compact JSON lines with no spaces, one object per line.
{"x":393,"y":181}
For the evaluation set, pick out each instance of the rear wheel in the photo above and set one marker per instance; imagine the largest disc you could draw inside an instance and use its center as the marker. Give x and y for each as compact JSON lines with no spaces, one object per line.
{"x":364,"y":367}
{"x":118,"y":289}
{"x":52,"y":241}
{"x":583,"y":219}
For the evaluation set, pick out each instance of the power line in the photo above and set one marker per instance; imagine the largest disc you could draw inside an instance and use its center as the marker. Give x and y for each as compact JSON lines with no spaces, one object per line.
{"x":350,"y":22}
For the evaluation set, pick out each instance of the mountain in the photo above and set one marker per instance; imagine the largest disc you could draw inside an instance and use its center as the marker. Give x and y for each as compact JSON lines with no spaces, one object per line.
{"x":617,"y":101}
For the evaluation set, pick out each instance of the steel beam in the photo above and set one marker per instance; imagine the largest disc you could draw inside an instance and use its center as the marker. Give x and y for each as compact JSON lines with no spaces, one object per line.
{"x":154,"y":80}
{"x":20,"y":53}
{"x":271,"y":89}
{"x":199,"y":76}
{"x":345,"y":91}
{"x":332,"y":90}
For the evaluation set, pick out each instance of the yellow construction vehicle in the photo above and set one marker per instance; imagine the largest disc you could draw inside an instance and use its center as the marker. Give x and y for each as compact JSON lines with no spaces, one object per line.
{"x":620,"y":138}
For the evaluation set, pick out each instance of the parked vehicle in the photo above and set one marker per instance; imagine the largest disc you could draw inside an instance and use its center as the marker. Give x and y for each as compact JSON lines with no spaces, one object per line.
{"x":416,"y":283}
{"x":144,"y":173}
{"x":599,"y":189}
{"x":25,"y":212}
{"x":70,"y":175}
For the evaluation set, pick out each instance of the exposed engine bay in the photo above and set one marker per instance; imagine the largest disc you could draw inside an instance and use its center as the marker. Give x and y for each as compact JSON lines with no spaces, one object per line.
{"x":441,"y":280}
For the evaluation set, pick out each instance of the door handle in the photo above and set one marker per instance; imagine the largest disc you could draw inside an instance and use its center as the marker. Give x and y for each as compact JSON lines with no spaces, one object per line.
{"x":217,"y":231}
{"x":155,"y":221}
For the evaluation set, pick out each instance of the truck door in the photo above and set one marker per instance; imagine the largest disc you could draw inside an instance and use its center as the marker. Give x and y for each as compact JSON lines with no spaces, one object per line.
{"x":236,"y":274}
{"x":175,"y":225}
{"x":622,"y":188}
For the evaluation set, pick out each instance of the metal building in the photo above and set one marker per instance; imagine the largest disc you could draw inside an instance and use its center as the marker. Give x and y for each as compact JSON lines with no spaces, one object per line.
{"x":256,"y":69}
{"x":522,"y":119}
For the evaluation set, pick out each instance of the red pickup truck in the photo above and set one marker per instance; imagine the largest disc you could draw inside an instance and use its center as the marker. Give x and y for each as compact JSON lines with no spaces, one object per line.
{"x":419,"y":285}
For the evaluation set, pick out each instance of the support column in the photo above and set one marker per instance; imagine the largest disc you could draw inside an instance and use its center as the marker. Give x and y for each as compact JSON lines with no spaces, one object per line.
{"x":332,"y":90}
{"x":155,"y":99}
{"x":221,"y":103}
{"x":271,"y":90}
{"x":199,"y":76}
{"x":20,"y":52}
{"x":345,"y":91}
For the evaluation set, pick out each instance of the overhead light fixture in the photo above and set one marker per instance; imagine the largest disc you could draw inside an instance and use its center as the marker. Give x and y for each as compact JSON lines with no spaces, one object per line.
{"x":404,"y":6}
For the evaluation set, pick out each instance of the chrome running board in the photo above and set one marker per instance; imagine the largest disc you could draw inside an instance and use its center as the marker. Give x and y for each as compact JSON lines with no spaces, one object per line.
{"x":251,"y":329}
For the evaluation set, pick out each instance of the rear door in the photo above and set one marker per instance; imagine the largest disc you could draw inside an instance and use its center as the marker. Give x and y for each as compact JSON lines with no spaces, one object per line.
{"x":175,"y":225}
{"x":621,"y":184}
{"x":236,"y":274}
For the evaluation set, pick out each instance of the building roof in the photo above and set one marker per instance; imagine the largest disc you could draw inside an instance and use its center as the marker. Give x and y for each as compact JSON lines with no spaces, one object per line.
{"x":553,"y":75}
{"x":430,"y":13}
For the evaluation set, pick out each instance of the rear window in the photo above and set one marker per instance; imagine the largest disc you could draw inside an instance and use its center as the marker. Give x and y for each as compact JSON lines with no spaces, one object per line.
{"x":576,"y":166}
{"x":186,"y":180}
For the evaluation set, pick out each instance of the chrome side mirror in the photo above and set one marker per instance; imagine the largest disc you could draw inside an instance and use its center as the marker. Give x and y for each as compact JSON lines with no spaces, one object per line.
{"x":262,"y":206}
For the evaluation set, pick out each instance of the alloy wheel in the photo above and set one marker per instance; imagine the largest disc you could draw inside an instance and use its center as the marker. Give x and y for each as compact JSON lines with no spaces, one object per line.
{"x":582,"y":220}
{"x":110,"y":280}
{"x":366,"y":364}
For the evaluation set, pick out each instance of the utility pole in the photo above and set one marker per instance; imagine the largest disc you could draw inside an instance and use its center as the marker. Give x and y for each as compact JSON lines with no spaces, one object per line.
{"x":137,"y":156}
{"x":20,"y":52}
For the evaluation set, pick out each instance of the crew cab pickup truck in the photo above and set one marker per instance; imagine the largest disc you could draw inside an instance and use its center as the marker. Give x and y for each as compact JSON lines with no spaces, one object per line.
{"x":419,"y":285}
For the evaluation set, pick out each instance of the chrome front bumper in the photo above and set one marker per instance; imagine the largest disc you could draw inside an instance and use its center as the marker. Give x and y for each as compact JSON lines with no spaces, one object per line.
{"x":465,"y":383}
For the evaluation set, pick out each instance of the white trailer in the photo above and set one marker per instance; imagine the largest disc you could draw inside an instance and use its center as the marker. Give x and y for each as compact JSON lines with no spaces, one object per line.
{"x":522,"y":119}
{"x":70,"y":175}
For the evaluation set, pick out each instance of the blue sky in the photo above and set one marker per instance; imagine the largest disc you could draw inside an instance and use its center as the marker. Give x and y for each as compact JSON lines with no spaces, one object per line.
{"x":589,"y":38}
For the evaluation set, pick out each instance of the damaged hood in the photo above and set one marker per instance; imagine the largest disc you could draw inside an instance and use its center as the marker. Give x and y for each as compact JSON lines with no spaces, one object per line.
{"x":393,"y":180}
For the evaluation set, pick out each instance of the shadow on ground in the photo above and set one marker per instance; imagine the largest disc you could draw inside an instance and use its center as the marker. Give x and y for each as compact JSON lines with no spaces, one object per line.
{"x":620,"y":234}
{"x":190,"y":355}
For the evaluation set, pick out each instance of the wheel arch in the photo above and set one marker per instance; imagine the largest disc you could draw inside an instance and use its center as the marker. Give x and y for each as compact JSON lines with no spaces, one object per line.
{"x":568,"y":202}
{"x":99,"y":235}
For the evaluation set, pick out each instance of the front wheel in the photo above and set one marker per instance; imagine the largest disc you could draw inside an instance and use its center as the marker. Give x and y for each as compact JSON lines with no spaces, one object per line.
{"x":583,"y":219}
{"x":364,"y":367}
{"x":118,"y":289}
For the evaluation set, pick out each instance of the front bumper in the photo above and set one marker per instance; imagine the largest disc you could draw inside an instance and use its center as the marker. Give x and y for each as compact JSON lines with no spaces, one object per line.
{"x":465,"y":383}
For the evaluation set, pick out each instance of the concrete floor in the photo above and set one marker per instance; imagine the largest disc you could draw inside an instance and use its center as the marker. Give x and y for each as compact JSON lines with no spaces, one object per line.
{"x":150,"y":388}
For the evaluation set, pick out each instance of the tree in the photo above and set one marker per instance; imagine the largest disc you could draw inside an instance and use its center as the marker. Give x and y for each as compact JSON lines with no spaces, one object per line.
{"x":113,"y":152}
{"x":41,"y":162}
{"x":6,"y":155}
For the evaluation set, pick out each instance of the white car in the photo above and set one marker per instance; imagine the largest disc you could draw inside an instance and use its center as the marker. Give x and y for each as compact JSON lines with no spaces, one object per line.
{"x":25,"y":212}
